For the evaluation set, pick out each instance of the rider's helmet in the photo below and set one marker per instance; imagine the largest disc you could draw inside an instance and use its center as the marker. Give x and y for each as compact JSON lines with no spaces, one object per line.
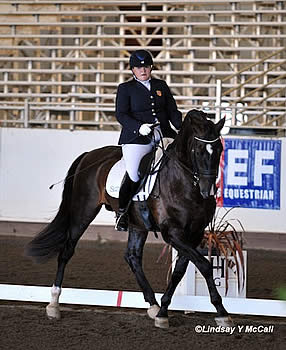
{"x":140,"y":58}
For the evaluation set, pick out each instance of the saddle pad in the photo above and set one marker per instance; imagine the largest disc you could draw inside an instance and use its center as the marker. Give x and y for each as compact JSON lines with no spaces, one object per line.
{"x":115,"y":178}
{"x":118,"y":170}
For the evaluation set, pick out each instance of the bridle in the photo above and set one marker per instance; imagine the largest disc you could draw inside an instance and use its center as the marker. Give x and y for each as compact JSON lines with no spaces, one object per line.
{"x":206,"y":141}
{"x":197,"y":173}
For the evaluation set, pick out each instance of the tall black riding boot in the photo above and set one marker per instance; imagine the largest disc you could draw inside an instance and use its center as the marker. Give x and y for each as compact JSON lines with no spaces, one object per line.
{"x":127,"y":191}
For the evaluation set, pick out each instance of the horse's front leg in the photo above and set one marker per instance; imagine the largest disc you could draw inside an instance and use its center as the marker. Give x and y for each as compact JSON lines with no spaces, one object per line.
{"x":133,"y":256}
{"x":205,"y":268}
{"x":187,"y":253}
{"x":161,"y":320}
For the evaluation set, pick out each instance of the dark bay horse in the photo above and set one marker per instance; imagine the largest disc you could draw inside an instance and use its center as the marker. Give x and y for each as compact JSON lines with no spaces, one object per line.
{"x":183,"y":206}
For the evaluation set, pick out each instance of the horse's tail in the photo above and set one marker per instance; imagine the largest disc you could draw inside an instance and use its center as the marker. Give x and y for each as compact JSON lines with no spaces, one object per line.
{"x":51,"y":240}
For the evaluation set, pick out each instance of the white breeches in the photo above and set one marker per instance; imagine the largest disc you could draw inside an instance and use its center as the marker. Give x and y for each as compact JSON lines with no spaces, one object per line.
{"x":133,"y":153}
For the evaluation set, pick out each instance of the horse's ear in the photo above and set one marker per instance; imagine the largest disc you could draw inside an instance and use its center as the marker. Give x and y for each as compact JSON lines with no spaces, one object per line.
{"x":220,"y":125}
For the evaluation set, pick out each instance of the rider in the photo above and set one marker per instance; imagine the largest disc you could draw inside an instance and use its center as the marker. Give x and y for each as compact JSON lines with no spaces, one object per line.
{"x":141,"y":102}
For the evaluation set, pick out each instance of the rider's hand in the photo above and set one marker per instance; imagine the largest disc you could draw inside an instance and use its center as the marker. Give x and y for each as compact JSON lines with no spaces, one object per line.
{"x":145,"y":129}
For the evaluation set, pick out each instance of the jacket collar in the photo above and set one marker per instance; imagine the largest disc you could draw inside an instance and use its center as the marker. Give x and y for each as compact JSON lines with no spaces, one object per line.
{"x":144,"y":83}
{"x":137,"y":82}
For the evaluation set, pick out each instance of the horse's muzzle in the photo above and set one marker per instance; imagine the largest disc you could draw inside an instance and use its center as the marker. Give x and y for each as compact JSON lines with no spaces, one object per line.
{"x":207,"y":186}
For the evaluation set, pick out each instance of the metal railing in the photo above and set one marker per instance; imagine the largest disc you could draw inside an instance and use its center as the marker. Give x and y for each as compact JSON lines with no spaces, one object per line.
{"x":268,"y":112}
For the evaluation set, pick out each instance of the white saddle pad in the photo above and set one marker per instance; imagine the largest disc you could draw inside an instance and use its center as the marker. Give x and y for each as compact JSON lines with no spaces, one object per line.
{"x":118,"y":170}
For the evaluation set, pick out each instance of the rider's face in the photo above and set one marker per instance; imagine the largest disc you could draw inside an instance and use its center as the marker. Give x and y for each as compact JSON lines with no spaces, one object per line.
{"x":142,"y":73}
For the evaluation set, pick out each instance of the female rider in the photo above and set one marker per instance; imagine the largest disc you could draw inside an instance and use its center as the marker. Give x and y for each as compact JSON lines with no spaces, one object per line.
{"x":141,"y":102}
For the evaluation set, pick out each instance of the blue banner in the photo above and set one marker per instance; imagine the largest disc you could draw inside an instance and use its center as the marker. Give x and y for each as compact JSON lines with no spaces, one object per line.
{"x":251,"y":175}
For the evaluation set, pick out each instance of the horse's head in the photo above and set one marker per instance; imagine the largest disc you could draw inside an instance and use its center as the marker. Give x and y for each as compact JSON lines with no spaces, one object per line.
{"x":199,"y":146}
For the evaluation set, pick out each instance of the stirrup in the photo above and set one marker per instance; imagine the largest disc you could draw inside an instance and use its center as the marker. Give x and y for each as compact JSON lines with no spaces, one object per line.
{"x":121,"y":221}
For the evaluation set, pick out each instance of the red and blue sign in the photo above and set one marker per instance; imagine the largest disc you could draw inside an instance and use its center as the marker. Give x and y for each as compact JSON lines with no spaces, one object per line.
{"x":250,"y":174}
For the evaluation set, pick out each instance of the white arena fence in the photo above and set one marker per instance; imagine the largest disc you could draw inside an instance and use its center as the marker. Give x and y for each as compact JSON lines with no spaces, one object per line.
{"x":126,"y":299}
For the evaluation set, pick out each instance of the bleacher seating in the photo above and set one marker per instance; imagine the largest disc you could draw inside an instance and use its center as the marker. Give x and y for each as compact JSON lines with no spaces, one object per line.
{"x":61,"y":61}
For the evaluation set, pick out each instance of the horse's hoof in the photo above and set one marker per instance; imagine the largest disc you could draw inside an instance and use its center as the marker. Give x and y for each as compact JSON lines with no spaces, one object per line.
{"x":225,"y":321}
{"x":162,"y":322}
{"x":153,"y":310}
{"x":53,"y":312}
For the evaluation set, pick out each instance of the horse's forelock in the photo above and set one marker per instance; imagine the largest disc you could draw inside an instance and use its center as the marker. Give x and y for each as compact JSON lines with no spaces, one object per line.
{"x":199,"y":125}
{"x":196,"y":116}
{"x":196,"y":124}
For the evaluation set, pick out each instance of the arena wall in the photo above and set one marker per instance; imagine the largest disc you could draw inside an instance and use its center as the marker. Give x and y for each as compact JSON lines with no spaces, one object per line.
{"x":33,"y":159}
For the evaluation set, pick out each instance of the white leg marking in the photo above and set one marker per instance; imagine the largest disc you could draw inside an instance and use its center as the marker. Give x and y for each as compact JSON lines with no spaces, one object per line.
{"x":153,"y":311}
{"x":53,"y":310}
{"x":224,"y":321}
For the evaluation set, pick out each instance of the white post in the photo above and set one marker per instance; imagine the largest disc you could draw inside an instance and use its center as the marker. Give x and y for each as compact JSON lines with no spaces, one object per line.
{"x":218,"y":100}
{"x":26,"y":113}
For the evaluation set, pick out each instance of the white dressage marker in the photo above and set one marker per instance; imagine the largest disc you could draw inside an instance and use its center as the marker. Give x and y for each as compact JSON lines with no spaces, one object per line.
{"x":243,"y":306}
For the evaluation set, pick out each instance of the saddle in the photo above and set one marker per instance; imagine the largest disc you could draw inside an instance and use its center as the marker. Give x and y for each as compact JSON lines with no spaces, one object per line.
{"x":148,"y":170}
{"x":149,"y":167}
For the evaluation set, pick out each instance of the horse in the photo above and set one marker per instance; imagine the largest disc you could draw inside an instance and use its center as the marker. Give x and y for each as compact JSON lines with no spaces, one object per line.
{"x":182,"y":204}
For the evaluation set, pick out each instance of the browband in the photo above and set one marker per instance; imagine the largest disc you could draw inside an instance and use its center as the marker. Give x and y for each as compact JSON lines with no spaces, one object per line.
{"x":206,"y":141}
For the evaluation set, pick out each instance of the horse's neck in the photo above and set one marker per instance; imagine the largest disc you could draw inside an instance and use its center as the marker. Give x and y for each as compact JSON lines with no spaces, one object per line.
{"x":175,"y":169}
{"x":181,"y":161}
{"x":175,"y":185}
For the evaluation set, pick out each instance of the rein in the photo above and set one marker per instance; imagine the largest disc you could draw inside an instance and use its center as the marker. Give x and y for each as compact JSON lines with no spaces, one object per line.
{"x":160,"y":144}
{"x":195,"y":174}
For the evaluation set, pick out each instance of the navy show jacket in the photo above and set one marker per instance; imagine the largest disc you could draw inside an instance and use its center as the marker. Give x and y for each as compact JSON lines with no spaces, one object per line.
{"x":136,"y":105}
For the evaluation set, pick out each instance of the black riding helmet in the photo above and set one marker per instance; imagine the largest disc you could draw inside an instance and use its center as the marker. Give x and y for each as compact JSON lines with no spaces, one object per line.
{"x":140,"y":58}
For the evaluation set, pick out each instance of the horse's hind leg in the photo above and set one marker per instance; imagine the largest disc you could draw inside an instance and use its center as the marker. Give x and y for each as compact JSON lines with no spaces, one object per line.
{"x":77,"y":227}
{"x":133,"y":256}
